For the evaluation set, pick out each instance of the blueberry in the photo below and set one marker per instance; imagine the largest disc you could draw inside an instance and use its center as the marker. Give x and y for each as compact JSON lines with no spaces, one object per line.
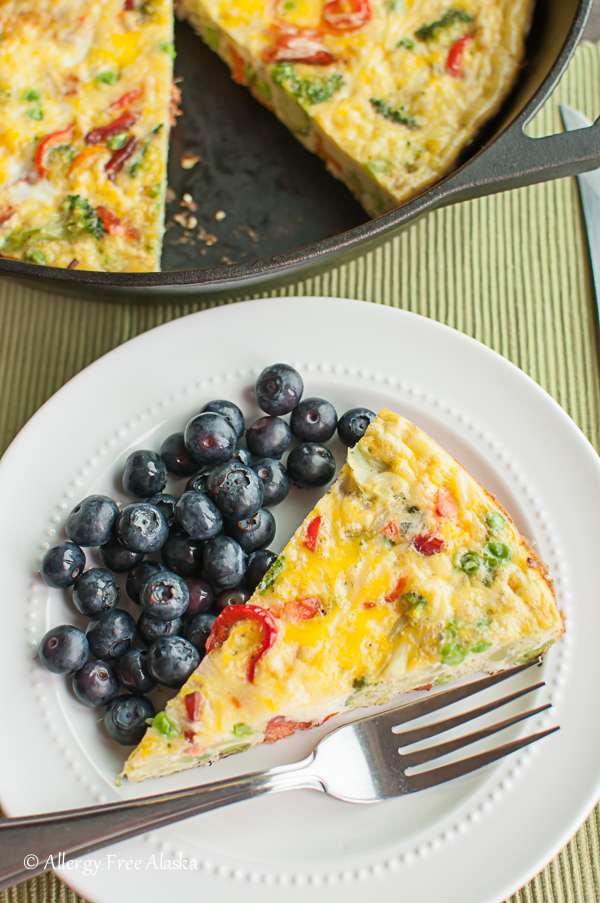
{"x":353,"y":425}
{"x":258,"y":565}
{"x":236,"y":490}
{"x":197,"y":630}
{"x":117,"y":558}
{"x":64,"y":650}
{"x":177,"y":457}
{"x":275,"y":480}
{"x":224,"y":561}
{"x":145,"y":474}
{"x":62,"y":564}
{"x":138,"y":574}
{"x":96,"y":683}
{"x":229,"y":411}
{"x":310,"y":464}
{"x":182,"y":554}
{"x":125,"y":718}
{"x":91,"y":522}
{"x":253,"y":533}
{"x":165,"y":504}
{"x":95,"y":591}
{"x":237,"y":595}
{"x":210,"y":438}
{"x":164,"y":596}
{"x":142,"y":528}
{"x":202,"y":595}
{"x":171,"y":660}
{"x":314,"y":420}
{"x":111,"y":633}
{"x":268,"y":437}
{"x":198,"y":515}
{"x":279,"y":389}
{"x":242,"y":455}
{"x":151,"y":629}
{"x":132,"y":670}
{"x":197,"y":483}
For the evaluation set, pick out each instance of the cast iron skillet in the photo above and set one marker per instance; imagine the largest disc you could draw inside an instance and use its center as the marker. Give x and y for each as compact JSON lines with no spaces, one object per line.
{"x":286,"y":217}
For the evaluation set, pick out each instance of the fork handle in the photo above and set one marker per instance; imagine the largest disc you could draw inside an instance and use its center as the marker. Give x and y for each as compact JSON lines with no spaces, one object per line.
{"x":31,"y":844}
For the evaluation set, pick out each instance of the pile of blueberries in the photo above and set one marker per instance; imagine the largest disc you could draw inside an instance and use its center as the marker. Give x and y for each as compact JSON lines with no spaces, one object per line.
{"x":212,"y":542}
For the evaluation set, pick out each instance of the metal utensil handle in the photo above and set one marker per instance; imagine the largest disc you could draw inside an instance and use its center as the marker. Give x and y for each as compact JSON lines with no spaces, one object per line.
{"x":29,"y":843}
{"x":514,"y":160}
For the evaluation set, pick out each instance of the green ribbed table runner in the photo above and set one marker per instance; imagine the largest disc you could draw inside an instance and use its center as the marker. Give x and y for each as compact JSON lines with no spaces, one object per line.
{"x":511,"y":270}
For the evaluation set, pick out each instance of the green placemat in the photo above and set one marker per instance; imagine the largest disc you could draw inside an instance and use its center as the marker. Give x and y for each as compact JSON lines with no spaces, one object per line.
{"x":511,"y":271}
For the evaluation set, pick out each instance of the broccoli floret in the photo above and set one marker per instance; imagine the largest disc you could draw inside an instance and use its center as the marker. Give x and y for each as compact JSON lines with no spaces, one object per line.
{"x":81,"y":217}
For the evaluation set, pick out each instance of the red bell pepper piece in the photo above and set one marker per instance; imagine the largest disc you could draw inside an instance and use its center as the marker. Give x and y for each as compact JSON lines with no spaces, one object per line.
{"x":299,"y":48}
{"x":116,"y":226}
{"x":312,"y":533}
{"x":427,"y":544}
{"x":117,"y":161}
{"x":347,"y":15}
{"x":63,"y":136}
{"x":445,"y":505}
{"x":303,"y":609}
{"x":127,"y":99}
{"x":278,"y":728}
{"x":396,"y":590}
{"x":6,"y":213}
{"x":193,"y":705}
{"x":120,"y":124}
{"x":455,"y":55}
{"x":391,"y":530}
{"x":230,"y":616}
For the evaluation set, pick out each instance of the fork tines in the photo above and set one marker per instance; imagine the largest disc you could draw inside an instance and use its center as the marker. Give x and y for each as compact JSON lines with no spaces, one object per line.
{"x":421,"y":780}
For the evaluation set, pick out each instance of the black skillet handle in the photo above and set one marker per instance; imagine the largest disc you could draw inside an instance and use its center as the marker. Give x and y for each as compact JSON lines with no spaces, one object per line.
{"x":514,"y":160}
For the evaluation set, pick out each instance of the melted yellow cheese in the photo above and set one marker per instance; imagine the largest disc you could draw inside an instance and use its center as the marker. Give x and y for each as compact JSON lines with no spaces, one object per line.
{"x":416,"y":576}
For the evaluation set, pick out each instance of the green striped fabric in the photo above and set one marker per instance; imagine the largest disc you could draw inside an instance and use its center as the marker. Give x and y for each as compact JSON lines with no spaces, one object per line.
{"x":511,"y":271}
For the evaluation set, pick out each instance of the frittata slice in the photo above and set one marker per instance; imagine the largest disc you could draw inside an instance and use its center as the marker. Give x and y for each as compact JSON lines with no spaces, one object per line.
{"x":85,"y":96}
{"x":406,"y":574}
{"x":388,"y":92}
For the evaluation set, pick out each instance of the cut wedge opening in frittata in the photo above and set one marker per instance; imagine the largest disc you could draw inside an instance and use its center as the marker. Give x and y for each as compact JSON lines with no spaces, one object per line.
{"x":387,"y":92}
{"x":406,"y":574}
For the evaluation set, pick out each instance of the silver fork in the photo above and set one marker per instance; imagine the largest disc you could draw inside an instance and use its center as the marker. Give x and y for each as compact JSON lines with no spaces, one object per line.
{"x":358,"y":762}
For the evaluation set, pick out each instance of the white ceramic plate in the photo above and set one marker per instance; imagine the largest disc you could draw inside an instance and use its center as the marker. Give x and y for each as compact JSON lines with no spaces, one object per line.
{"x":477,"y":839}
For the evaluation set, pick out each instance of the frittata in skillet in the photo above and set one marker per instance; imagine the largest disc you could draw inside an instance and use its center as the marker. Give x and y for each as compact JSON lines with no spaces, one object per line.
{"x":406,"y":574}
{"x":85,"y":91}
{"x":388,"y":91}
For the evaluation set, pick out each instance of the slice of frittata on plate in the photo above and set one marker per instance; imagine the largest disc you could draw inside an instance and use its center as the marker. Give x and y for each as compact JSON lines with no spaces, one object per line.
{"x":406,"y":574}
{"x":388,"y":92}
{"x":85,"y":95}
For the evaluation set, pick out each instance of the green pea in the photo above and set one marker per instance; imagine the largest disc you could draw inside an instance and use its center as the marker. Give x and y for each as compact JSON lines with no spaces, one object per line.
{"x":496,"y":553}
{"x":481,"y":646}
{"x":118,"y":140}
{"x":494,"y":521}
{"x":107,"y":78}
{"x":36,"y":257}
{"x":469,"y":562}
{"x":163,"y":724}
{"x":452,"y":654}
{"x":242,"y":730}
